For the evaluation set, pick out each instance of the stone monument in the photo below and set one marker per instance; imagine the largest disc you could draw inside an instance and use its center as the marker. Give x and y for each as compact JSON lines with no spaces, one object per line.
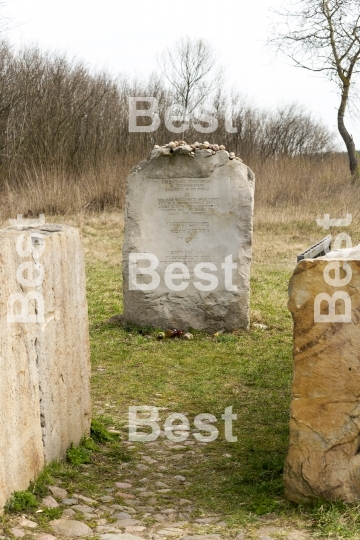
{"x":323,"y":461}
{"x":188,"y":234}
{"x":44,"y":350}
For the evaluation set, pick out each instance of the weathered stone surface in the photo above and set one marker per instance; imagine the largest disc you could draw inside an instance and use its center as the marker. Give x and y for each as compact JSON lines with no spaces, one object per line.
{"x":197,"y":537}
{"x":269,"y":533}
{"x":82,"y":508}
{"x":122,"y":523}
{"x":69,"y":502}
{"x":121,"y":494}
{"x":89,"y":516}
{"x":298,"y":535}
{"x":101,"y":529}
{"x":190,"y":210}
{"x":122,"y":515}
{"x":206,"y":520}
{"x":24,"y":522}
{"x":83,"y":498}
{"x":135,"y":529}
{"x":21,"y":449}
{"x":18,"y":533}
{"x":106,"y":498}
{"x":63,"y":346}
{"x":58,"y":492}
{"x":68,"y":512}
{"x":120,"y":536}
{"x":44,"y":355}
{"x":21,"y":445}
{"x":170,"y":532}
{"x":49,"y":502}
{"x":323,"y":459}
{"x":70,"y":527}
{"x":206,"y":537}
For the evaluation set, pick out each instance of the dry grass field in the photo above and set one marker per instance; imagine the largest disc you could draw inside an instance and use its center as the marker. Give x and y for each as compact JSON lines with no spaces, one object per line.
{"x":296,"y":189}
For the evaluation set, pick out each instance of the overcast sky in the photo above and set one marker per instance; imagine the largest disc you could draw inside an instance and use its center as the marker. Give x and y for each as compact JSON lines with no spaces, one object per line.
{"x":126,"y":36}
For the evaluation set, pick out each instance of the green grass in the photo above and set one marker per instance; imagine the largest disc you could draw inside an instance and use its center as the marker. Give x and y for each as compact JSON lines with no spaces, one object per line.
{"x":250,"y":371}
{"x":82,"y":453}
{"x":22,"y":501}
{"x":89,"y":469}
{"x":100,"y":434}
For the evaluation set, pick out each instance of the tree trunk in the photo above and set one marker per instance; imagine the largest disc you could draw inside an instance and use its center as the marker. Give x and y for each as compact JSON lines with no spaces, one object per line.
{"x":347,"y":138}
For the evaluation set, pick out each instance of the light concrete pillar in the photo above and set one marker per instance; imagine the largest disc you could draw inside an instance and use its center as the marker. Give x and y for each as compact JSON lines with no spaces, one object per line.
{"x":44,"y":351}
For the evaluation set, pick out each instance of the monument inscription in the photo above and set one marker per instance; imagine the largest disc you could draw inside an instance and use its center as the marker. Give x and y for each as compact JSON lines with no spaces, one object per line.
{"x":187,"y":245}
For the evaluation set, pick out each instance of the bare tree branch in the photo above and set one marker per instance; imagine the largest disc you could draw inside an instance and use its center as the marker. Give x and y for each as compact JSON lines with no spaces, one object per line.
{"x":190,"y":68}
{"x":324,"y":36}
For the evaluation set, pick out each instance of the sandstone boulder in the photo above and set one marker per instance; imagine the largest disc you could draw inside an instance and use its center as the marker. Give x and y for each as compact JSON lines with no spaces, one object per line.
{"x":324,"y":454}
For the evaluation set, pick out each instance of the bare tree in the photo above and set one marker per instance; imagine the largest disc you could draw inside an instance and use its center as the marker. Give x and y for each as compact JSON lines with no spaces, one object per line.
{"x":324,"y":36}
{"x":190,"y":68}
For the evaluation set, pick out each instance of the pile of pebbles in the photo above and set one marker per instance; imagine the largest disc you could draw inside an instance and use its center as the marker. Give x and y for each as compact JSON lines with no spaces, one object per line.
{"x":182,"y":147}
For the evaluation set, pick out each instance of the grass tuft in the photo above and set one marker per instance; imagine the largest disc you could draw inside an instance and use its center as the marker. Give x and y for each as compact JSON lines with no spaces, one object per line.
{"x":100,"y":434}
{"x":82,"y":453}
{"x":21,"y":501}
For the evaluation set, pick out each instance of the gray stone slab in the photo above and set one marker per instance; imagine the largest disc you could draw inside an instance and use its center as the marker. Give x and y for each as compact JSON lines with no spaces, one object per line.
{"x":191,"y":210}
{"x":70,"y":527}
{"x":120,"y":536}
